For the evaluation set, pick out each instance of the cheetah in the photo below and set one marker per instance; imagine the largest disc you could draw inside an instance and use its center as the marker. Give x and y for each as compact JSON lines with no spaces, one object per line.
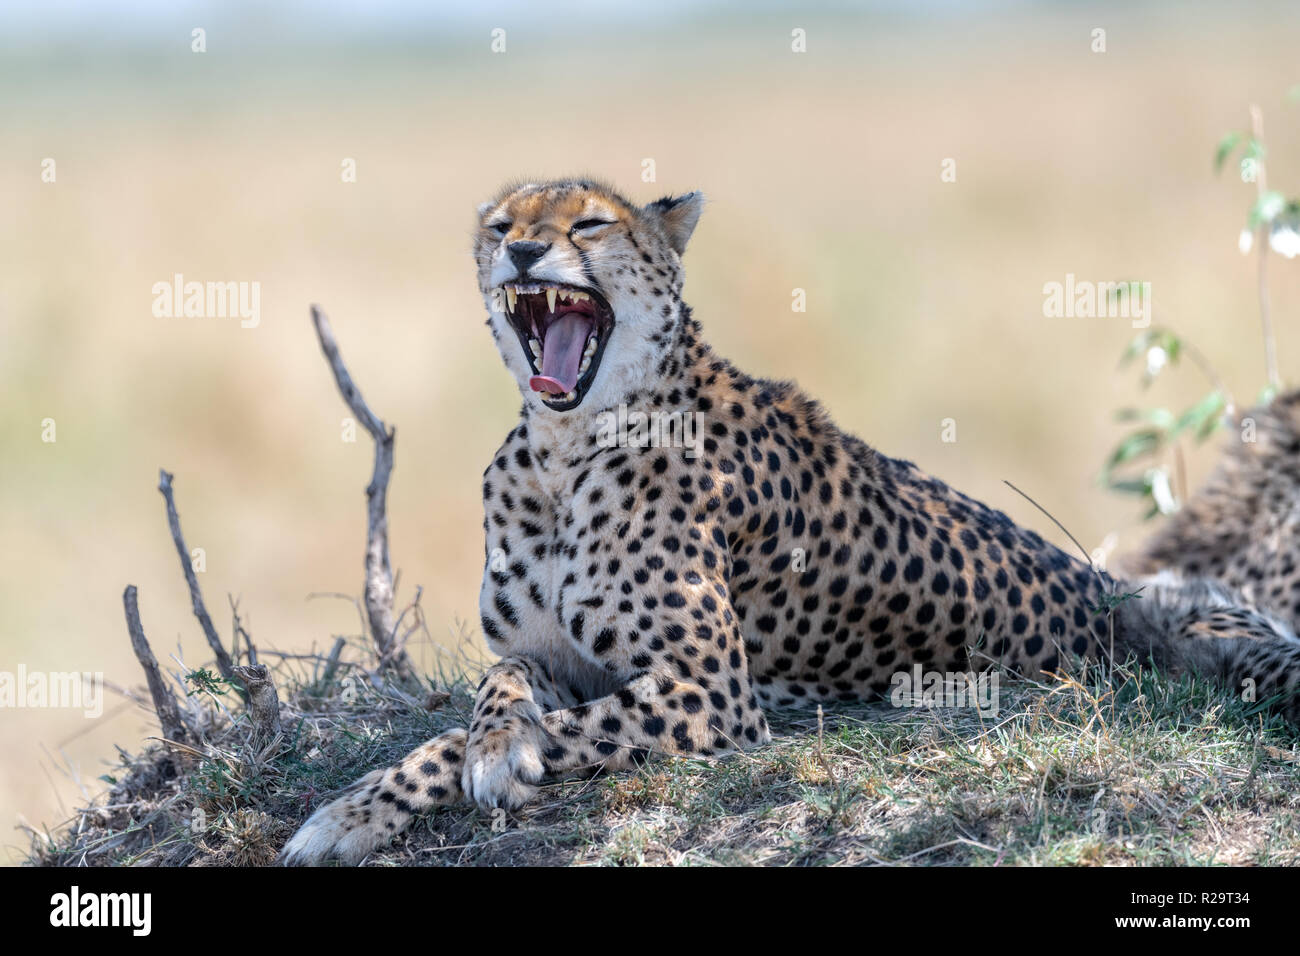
{"x":647,"y":599}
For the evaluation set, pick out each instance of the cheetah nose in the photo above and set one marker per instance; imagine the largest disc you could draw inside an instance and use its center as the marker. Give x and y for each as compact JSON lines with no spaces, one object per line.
{"x":524,"y":253}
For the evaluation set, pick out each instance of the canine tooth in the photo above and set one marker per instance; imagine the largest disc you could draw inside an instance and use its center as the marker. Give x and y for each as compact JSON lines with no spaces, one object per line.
{"x":511,"y":296}
{"x":550,"y":298}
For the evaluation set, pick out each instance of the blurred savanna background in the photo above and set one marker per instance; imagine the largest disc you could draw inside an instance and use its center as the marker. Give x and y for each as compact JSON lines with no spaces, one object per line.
{"x":823,"y":171}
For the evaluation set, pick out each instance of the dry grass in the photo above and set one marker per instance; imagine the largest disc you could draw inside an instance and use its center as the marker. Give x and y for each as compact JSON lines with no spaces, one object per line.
{"x":1069,"y":772}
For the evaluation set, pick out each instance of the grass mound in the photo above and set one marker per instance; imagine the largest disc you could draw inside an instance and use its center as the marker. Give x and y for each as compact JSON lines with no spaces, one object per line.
{"x":1154,"y":771}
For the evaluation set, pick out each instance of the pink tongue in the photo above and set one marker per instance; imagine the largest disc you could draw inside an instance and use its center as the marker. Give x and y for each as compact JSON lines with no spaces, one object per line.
{"x":562,"y":354}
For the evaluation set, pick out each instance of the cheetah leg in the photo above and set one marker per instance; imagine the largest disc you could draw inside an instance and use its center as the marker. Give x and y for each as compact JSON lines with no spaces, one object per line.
{"x":1194,"y":628}
{"x":505,"y":727}
{"x":381,"y":804}
{"x":651,"y":716}
{"x":506,"y":737}
{"x":1252,"y":653}
{"x":522,"y":732}
{"x":648,"y":716}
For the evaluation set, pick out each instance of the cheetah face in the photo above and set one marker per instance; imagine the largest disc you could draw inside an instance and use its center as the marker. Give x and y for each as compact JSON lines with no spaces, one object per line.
{"x":582,"y":288}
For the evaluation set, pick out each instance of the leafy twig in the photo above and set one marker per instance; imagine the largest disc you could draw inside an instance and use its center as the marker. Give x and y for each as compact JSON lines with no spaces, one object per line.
{"x":1261,"y":188}
{"x":224,"y":664}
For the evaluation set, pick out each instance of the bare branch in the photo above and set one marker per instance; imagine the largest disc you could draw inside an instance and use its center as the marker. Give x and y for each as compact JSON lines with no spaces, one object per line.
{"x":332,"y":662}
{"x":379,"y":572}
{"x":196,"y":596}
{"x":237,"y":626}
{"x":164,"y":704}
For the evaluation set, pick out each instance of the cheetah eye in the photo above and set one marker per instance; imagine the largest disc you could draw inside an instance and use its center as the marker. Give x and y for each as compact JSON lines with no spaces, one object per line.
{"x":586,"y":225}
{"x":501,"y":228}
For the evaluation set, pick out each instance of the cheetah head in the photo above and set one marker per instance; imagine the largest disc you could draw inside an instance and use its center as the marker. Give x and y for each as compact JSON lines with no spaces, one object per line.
{"x":583,"y":288}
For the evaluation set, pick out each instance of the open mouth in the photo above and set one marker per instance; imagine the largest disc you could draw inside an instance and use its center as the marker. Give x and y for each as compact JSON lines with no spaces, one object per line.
{"x":563,"y":330}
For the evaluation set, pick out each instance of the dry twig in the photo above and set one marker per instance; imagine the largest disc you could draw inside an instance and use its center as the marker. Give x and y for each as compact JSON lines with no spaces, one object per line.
{"x":164,"y":703}
{"x":237,"y":626}
{"x":379,"y":572}
{"x":332,"y":662}
{"x":224,"y":663}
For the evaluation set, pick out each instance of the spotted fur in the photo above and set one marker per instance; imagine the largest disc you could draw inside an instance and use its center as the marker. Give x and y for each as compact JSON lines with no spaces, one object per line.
{"x":645,"y":602}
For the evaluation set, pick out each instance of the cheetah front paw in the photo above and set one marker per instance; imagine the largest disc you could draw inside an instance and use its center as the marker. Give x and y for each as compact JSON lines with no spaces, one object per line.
{"x":346,"y":829}
{"x":503,"y":761}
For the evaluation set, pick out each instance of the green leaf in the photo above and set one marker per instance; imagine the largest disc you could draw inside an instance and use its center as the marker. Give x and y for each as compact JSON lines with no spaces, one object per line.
{"x":1202,"y":418}
{"x":1161,"y":418}
{"x":1140,"y":443}
{"x":1266,"y":209}
{"x":1173,"y":347}
{"x":1135,"y":348}
{"x":1151,"y":338}
{"x":1108,"y":602}
{"x":1130,"y":486}
{"x":1226,"y":146}
{"x":1289,"y":216}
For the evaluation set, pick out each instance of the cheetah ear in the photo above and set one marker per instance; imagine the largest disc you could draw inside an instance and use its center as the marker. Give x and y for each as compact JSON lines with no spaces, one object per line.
{"x":677,"y":216}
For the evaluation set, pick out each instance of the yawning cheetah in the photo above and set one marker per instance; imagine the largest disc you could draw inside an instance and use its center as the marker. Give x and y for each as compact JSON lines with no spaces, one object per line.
{"x":647,"y":601}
